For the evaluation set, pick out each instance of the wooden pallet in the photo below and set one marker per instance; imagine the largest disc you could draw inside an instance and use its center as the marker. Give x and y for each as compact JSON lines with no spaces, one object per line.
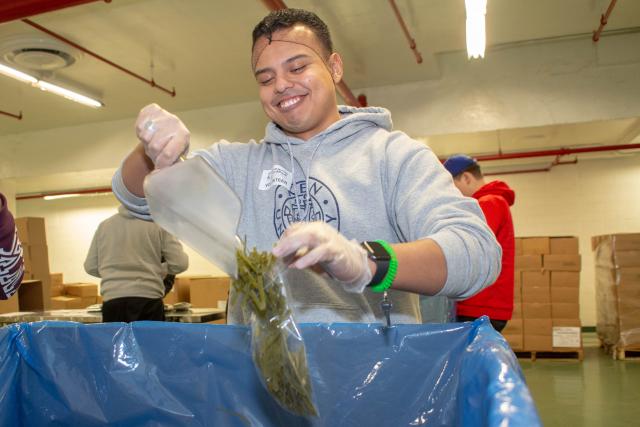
{"x":622,"y":353}
{"x":577,"y":353}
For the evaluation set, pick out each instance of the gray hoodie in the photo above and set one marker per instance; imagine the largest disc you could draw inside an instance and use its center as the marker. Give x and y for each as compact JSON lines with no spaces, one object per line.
{"x":369,"y":183}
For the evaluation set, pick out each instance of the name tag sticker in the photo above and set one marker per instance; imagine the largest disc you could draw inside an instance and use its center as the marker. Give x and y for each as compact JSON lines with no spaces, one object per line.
{"x":275,"y":177}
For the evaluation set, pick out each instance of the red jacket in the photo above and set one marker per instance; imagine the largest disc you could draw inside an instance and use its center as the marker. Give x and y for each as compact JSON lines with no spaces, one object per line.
{"x":496,"y":301}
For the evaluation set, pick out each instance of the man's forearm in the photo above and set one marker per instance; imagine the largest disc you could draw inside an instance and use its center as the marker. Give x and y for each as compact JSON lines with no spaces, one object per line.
{"x":422,"y":267}
{"x":134,"y":169}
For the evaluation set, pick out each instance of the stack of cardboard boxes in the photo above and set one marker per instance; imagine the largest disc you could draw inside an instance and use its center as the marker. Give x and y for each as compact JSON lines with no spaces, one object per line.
{"x":200,"y":292}
{"x":546,"y":296}
{"x":35,"y":288}
{"x":66,"y":296}
{"x":617,"y":258}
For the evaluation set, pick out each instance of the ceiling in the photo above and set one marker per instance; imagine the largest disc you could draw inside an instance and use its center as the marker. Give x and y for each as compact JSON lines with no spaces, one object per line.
{"x":202,"y":49}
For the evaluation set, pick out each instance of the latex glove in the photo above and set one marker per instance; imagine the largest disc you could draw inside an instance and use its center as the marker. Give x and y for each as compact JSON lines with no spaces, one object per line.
{"x":314,"y":244}
{"x":164,"y":137}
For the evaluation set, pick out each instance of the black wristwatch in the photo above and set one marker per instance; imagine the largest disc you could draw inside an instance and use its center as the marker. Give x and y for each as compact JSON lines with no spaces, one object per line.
{"x":378,"y":254}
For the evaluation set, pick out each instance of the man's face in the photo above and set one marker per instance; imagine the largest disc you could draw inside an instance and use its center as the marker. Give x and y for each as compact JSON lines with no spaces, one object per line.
{"x":296,"y":85}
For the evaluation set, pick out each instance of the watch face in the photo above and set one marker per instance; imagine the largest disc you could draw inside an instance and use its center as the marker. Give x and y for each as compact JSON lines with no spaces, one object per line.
{"x":376,"y":251}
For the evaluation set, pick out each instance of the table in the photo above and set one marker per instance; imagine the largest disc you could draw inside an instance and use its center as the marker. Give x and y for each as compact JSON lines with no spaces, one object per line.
{"x":193,"y":315}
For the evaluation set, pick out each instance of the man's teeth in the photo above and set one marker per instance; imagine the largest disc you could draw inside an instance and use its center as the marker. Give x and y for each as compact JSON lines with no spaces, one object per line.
{"x":289,"y":102}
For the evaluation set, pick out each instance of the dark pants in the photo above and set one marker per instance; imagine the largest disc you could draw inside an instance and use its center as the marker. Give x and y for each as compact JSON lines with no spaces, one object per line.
{"x":498,"y":325}
{"x":131,"y":309}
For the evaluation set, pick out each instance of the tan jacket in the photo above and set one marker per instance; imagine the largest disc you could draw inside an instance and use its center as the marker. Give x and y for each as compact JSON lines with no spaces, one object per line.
{"x":126,"y":254}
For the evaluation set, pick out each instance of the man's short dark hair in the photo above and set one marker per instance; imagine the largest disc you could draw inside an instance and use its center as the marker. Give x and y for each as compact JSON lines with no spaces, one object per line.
{"x":473,"y":170}
{"x":287,"y":18}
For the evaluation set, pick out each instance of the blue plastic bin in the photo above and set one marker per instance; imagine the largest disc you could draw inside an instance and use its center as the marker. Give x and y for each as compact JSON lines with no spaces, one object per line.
{"x":170,"y":374}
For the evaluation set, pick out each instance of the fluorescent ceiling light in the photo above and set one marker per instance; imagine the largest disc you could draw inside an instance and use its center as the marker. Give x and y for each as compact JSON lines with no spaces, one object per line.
{"x":476,"y":31}
{"x":49,"y":87}
{"x":61,"y":196}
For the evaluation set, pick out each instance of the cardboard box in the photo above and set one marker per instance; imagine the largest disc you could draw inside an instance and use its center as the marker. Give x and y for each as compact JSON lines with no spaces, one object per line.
{"x":619,"y":242}
{"x":535,"y":294}
{"x":564,"y":245}
{"x":87,"y":301}
{"x":516,"y":342}
{"x":537,"y":326}
{"x":535,"y":279}
{"x":514,"y":327}
{"x":528,"y":262}
{"x":628,"y":277}
{"x":65,"y":302}
{"x":535,"y":245}
{"x":536,"y":310}
{"x":627,"y":259}
{"x":538,"y":342}
{"x":518,"y":246}
{"x":10,"y":305}
{"x":56,"y":279}
{"x":208,"y":291}
{"x":562,"y":262}
{"x":567,"y":333}
{"x":181,"y":285}
{"x":38,"y":267}
{"x":565,"y":279}
{"x":171,"y":297}
{"x":561,"y":294}
{"x":31,"y":231}
{"x":517,"y":310}
{"x":32,"y":296}
{"x":56,"y":290}
{"x":81,"y":289}
{"x":565,"y":310}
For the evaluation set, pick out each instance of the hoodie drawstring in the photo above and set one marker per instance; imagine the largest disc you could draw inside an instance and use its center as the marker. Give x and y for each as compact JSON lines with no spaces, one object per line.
{"x":293,"y":175}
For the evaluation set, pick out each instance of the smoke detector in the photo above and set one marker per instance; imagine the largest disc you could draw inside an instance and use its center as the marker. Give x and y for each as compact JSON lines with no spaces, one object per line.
{"x":36,"y":53}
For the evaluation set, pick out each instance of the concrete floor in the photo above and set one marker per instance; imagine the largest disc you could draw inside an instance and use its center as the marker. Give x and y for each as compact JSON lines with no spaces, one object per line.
{"x":598,"y":391}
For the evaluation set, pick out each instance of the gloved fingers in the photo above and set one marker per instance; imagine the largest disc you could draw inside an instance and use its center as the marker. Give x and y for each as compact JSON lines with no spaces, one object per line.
{"x":162,"y":134}
{"x":296,"y":238}
{"x":320,"y":255}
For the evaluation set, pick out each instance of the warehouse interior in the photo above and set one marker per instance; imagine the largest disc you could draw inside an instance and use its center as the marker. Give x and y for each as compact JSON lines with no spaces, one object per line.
{"x":548,"y":109}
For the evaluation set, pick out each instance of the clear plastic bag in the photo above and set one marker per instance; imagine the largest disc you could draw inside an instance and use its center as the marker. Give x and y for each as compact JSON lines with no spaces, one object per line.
{"x":277,"y":346}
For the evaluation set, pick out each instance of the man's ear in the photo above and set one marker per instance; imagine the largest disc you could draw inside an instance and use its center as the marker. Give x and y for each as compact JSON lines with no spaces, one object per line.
{"x":336,"y":67}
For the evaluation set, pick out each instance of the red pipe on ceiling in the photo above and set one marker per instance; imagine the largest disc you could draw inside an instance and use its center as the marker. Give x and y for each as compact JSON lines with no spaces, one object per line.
{"x":405,"y":30}
{"x":12,"y":10}
{"x":556,"y":152}
{"x":151,"y":82}
{"x":603,"y":21}
{"x":64,"y":193}
{"x":15,"y":116}
{"x":342,"y":88}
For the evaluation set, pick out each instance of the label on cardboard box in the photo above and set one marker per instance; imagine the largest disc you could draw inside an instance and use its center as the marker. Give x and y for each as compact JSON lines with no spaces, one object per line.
{"x":566,"y":336}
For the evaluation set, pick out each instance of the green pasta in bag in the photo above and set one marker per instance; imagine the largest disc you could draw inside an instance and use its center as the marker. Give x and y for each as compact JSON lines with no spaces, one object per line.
{"x":277,"y":346}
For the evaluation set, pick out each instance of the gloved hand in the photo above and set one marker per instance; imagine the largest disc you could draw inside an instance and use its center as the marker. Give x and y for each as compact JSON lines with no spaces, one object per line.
{"x":318,"y":244}
{"x":164,"y":137}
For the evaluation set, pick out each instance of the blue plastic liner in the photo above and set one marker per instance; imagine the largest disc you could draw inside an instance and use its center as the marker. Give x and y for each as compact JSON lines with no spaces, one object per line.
{"x":171,"y":374}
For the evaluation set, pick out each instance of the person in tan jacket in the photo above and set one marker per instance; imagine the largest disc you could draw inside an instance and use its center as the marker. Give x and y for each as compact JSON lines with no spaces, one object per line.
{"x":127,"y":254}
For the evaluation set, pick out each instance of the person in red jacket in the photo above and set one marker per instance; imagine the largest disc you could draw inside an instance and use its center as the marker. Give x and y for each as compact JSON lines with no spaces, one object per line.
{"x":495,"y":197}
{"x":11,"y":261}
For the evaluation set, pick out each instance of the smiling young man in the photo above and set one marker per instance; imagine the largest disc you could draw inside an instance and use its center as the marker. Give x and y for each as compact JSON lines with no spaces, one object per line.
{"x":325,"y":178}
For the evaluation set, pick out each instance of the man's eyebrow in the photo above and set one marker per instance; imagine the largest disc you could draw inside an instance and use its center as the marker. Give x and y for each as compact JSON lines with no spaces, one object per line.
{"x":293,"y":58}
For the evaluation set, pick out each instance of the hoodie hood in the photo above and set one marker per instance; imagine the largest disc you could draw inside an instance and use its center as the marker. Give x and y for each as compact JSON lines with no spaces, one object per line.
{"x":353,"y":119}
{"x":497,"y":188}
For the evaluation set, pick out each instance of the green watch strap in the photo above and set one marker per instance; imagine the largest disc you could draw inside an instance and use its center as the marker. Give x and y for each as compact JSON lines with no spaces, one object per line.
{"x":388,"y":279}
